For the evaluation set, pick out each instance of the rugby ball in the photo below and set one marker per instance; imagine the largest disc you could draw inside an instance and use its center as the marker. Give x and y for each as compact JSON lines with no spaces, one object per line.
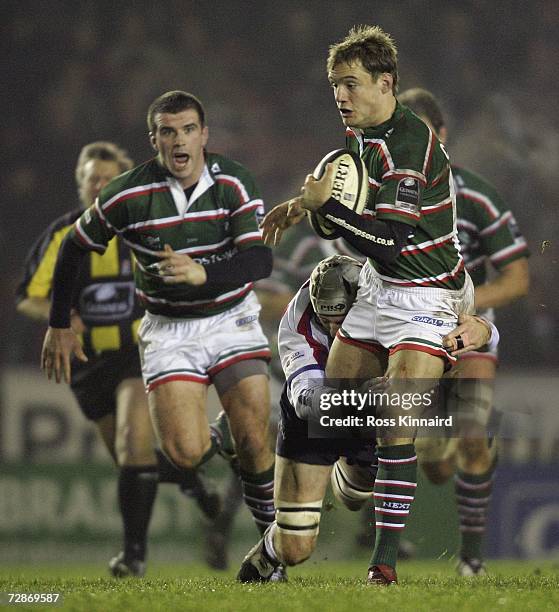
{"x":350,"y":188}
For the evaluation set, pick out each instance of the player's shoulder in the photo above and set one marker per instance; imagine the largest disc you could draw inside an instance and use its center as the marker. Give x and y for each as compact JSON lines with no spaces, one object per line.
{"x":297,"y":309}
{"x":465,"y":178}
{"x":411,"y":139}
{"x":220,"y":166}
{"x":148,"y":173}
{"x":62,"y":223}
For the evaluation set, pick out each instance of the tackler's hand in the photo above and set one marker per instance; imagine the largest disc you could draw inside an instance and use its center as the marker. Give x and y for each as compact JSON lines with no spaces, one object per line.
{"x":471,"y":334}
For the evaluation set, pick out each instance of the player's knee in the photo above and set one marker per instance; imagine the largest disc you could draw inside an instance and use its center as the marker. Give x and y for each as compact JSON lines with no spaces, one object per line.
{"x":474,"y":452}
{"x":348,"y":488}
{"x":184,"y":457}
{"x":297,"y":529}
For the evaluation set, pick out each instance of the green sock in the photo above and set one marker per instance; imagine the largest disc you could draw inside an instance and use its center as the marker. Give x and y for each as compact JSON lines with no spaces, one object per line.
{"x":473,"y":492}
{"x":394,"y":493}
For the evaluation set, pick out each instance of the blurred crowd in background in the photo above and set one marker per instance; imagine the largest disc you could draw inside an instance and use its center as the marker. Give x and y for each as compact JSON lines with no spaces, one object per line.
{"x":82,"y":71}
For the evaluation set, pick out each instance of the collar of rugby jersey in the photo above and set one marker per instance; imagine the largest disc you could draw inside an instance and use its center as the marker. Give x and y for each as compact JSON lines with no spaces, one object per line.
{"x":380,"y":131}
{"x":183,"y":205}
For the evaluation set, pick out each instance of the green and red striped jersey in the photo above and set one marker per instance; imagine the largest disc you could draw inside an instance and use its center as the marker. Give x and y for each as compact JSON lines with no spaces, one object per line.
{"x":487,"y":230}
{"x":148,"y":208}
{"x":410,"y":181}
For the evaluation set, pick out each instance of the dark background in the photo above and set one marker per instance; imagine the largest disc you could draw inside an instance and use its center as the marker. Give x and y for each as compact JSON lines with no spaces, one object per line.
{"x":75,"y":72}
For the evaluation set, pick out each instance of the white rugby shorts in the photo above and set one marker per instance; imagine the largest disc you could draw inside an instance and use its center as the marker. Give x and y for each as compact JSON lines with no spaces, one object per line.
{"x":410,"y":318}
{"x":197,"y":349}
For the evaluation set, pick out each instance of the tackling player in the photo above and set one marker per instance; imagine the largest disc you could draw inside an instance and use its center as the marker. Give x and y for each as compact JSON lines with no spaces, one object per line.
{"x":488,"y":234}
{"x":190,"y":217}
{"x":305,"y":465}
{"x":414,"y":275}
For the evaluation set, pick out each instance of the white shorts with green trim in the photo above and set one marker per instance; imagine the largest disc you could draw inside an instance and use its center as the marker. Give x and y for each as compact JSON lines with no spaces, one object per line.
{"x":404,"y":318}
{"x":195,"y":350}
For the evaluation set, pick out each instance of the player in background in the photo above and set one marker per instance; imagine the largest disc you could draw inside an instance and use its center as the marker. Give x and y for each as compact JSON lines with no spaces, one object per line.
{"x":190,"y":217}
{"x":489,"y":236}
{"x":414,"y":272}
{"x":108,"y":387}
{"x":305,"y":465}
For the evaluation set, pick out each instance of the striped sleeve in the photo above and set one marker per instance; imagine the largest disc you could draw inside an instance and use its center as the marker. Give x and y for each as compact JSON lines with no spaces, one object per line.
{"x":404,"y":177}
{"x":246,"y":206}
{"x":499,"y":235}
{"x":93,"y":230}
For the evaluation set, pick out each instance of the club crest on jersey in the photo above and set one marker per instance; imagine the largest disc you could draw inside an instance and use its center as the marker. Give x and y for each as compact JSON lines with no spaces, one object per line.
{"x":407,"y":195}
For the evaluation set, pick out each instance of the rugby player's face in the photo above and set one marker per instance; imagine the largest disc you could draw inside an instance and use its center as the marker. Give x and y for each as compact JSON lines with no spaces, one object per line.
{"x":179,"y":140}
{"x":96,"y":174}
{"x":361,"y":101}
{"x":331,"y":324}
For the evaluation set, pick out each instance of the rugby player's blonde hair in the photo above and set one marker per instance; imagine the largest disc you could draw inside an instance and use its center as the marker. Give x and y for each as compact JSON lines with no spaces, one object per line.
{"x":372,"y":46}
{"x":105,"y":151}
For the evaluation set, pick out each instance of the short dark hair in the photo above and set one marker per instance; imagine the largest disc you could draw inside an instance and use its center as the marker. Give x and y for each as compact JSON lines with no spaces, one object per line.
{"x":372,"y":46}
{"x":105,"y":151}
{"x":423,"y":103}
{"x":174,"y":102}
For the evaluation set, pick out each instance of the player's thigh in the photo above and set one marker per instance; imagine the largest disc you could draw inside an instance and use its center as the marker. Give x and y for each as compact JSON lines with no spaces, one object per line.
{"x":178,"y":414}
{"x":475,"y":367}
{"x":134,"y":434}
{"x":347,"y":360}
{"x":406,"y":364}
{"x":247,"y":404}
{"x":300,"y":482}
{"x":411,"y":374}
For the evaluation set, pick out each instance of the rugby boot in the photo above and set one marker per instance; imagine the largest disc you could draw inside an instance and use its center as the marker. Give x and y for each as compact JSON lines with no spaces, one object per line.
{"x":382,"y":575}
{"x":257,"y":565}
{"x":204,"y":494}
{"x":120,"y":567}
{"x":279,"y":574}
{"x":471,"y":567}
{"x":220,"y":427}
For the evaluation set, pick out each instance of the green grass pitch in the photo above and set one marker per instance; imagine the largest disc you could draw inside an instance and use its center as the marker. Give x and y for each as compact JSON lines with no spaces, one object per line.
{"x":317,"y":585}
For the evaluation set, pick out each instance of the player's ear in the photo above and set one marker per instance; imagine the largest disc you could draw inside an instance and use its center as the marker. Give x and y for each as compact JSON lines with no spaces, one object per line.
{"x":205,"y":135}
{"x":386,"y":82}
{"x":152,"y":140}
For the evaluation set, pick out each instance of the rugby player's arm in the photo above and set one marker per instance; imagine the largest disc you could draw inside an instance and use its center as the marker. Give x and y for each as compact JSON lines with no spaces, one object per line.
{"x":380,"y":240}
{"x":60,"y":340}
{"x":311,"y":397}
{"x":512,"y":283}
{"x":248,"y":265}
